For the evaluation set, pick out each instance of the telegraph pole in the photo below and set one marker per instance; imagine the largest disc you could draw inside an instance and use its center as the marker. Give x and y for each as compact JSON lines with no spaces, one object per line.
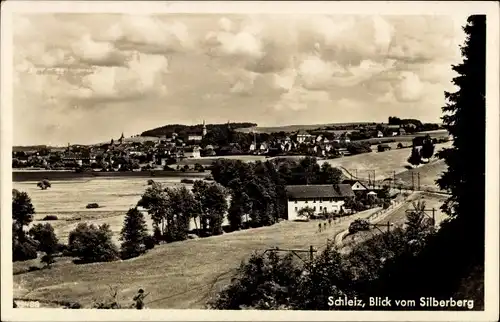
{"x":412,"y":182}
{"x":418,"y":180}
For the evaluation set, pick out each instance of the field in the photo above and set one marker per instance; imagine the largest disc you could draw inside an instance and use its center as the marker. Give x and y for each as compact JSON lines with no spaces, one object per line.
{"x":68,"y":200}
{"x":384,"y":163}
{"x":179,"y":275}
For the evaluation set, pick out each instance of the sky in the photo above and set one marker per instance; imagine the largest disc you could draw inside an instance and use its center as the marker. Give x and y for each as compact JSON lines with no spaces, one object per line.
{"x":86,"y":78}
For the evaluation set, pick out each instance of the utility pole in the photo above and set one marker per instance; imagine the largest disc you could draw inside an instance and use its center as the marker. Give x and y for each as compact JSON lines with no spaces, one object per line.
{"x":311,"y":253}
{"x":412,"y":181}
{"x":394,"y":179}
{"x":418,"y":180}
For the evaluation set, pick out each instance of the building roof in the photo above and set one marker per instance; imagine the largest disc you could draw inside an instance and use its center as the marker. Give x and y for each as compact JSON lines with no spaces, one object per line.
{"x":351,"y":182}
{"x":319,"y":191}
{"x":301,"y":132}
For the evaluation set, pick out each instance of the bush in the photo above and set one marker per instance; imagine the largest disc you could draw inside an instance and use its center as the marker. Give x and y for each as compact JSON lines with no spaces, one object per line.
{"x":25,"y":250}
{"x":50,"y":217}
{"x":92,"y":205}
{"x":149,"y":242}
{"x":400,"y":145}
{"x":44,"y":184}
{"x":92,"y":244}
{"x":150,"y":182}
{"x":198,"y":167}
{"x":358,"y":225}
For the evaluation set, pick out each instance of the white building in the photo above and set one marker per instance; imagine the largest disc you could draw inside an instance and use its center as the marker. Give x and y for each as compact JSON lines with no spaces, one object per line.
{"x":303,"y":136}
{"x":355,"y":185}
{"x":322,"y":198}
{"x":192,"y":152}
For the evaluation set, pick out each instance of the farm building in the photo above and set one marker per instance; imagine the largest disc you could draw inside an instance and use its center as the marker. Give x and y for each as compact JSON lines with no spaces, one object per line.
{"x":355,"y":185}
{"x":322,"y":198}
{"x":303,"y":136}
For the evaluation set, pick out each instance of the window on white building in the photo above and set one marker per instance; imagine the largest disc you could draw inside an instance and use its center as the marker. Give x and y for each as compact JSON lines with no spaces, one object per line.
{"x":320,"y":207}
{"x":314,"y":208}
{"x":295,"y":201}
{"x":296,"y":208}
{"x":306,"y":201}
{"x":314,"y":200}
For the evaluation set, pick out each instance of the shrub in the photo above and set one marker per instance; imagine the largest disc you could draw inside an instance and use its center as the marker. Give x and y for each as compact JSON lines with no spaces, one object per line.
{"x":92,"y":205}
{"x":50,"y":217}
{"x":358,"y":225}
{"x":92,"y":244}
{"x":198,"y":167}
{"x":74,"y":305}
{"x":33,"y":268}
{"x":149,"y":242}
{"x":24,"y":250}
{"x":400,"y":145}
{"x":48,"y":259}
{"x":150,"y":182}
{"x":44,"y":184}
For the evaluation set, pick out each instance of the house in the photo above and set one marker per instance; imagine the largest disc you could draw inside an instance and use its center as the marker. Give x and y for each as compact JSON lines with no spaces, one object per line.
{"x":192,"y":152}
{"x":303,"y":136}
{"x":194,"y":137}
{"x":322,"y":198}
{"x":355,"y":185}
{"x":402,"y":131}
{"x":380,"y":134}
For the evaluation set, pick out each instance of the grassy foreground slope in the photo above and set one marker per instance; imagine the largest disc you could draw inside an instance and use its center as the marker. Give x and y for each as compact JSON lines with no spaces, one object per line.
{"x":178,"y":275}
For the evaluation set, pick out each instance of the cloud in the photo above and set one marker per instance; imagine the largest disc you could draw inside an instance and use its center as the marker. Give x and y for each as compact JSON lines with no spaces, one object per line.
{"x":148,"y":34}
{"x":410,"y":87}
{"x":269,"y":69}
{"x":299,"y":98}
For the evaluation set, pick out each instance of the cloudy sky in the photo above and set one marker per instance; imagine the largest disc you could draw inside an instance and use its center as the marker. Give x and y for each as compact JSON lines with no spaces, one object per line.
{"x":85,"y":78}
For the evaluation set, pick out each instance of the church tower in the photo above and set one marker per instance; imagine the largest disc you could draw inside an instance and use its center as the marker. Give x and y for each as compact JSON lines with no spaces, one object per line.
{"x":204,"y":131}
{"x":121,"y":138}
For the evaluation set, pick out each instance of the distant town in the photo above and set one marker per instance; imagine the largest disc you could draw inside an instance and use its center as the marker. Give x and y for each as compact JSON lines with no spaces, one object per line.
{"x":166,"y":148}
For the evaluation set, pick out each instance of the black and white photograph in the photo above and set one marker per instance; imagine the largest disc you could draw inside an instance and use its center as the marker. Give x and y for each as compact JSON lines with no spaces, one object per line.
{"x":249,"y":161}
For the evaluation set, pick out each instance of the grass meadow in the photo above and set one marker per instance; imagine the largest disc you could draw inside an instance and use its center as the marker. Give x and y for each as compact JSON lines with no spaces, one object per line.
{"x":179,"y":275}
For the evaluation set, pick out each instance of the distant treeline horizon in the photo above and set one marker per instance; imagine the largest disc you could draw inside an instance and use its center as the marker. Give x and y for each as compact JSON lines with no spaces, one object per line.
{"x":183,"y":130}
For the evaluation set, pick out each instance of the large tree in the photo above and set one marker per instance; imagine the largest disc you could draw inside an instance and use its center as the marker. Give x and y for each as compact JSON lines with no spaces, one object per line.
{"x":133,"y":234}
{"x":23,"y":246}
{"x":211,"y":198}
{"x":465,"y":117}
{"x":47,"y":241}
{"x":155,"y":200}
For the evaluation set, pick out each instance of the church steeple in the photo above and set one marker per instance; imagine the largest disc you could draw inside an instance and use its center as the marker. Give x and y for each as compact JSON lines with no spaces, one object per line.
{"x":121,"y":138}
{"x":204,"y":131}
